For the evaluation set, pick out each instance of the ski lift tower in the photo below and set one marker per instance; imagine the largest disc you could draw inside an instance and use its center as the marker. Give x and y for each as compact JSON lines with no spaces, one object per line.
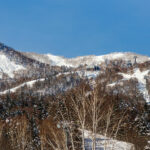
{"x":135,"y":60}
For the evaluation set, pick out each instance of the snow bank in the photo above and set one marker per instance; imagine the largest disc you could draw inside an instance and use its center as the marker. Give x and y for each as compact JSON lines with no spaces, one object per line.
{"x":109,"y":143}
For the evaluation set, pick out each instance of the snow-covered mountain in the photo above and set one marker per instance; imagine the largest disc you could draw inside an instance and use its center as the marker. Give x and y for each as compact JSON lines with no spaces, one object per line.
{"x":13,"y":61}
{"x":31,"y":82}
{"x":88,"y":60}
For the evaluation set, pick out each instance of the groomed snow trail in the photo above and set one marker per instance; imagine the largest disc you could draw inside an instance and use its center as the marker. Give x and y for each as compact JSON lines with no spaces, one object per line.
{"x":29,"y":84}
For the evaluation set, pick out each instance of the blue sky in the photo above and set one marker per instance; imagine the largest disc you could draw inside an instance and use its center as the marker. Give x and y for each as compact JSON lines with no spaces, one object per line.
{"x":76,"y":27}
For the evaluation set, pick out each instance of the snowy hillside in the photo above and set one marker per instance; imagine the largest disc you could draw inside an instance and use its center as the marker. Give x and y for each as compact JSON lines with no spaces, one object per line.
{"x":8,"y":67}
{"x":141,"y":78}
{"x":12,"y":61}
{"x":89,"y":60}
{"x":28,"y":84}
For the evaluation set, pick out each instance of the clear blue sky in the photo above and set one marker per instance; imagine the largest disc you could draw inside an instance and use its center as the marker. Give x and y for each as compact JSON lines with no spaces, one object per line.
{"x":76,"y":27}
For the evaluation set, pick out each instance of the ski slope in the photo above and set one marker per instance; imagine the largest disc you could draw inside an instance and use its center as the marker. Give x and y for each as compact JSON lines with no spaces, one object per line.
{"x":29,"y":84}
{"x":140,"y":76}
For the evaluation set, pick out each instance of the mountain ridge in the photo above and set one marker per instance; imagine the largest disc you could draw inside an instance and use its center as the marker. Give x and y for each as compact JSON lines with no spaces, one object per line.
{"x":12,"y":60}
{"x":85,"y":60}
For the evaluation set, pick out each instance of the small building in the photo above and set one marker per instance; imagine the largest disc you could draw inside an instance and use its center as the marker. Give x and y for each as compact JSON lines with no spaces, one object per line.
{"x":93,"y":68}
{"x":97,"y":68}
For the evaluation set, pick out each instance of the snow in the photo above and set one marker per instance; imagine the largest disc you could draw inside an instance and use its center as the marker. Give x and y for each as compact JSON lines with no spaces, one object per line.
{"x":88,"y":74}
{"x":8,"y":67}
{"x":7,"y":120}
{"x":75,"y":62}
{"x":137,"y":74}
{"x":91,"y":59}
{"x":109,"y":143}
{"x":66,"y":73}
{"x":29,"y":84}
{"x":57,"y":61}
{"x":112,"y":84}
{"x":111,"y":56}
{"x":140,"y":76}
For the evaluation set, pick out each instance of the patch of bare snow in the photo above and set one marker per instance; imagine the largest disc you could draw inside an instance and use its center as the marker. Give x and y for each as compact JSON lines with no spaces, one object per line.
{"x":109,"y":143}
{"x":88,"y":74}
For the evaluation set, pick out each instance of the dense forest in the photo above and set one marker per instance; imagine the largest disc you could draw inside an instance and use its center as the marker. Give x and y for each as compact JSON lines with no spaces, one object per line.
{"x":55,"y":113}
